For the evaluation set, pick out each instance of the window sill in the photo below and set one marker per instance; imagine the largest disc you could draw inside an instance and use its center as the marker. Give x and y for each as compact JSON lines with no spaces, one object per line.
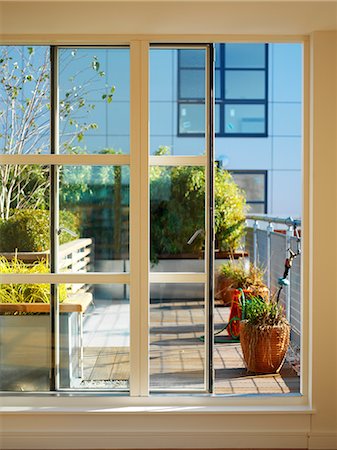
{"x":104,"y":404}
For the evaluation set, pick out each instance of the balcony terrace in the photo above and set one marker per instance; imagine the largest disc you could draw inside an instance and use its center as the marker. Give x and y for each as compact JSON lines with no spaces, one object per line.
{"x":177,"y":352}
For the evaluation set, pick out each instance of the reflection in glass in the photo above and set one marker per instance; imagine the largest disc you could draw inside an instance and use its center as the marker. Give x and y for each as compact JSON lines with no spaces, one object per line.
{"x":98,"y":199}
{"x":245,"y":119}
{"x":24,"y":337}
{"x":177,"y":99}
{"x":245,"y":84}
{"x":177,"y":211}
{"x":177,"y":350}
{"x":97,"y":335}
{"x":256,"y":208}
{"x":192,"y":84}
{"x":94,"y":99}
{"x":192,"y":58}
{"x":253,"y":184}
{"x":217,"y":84}
{"x":25,"y":100}
{"x":191,"y":118}
{"x":25,"y":217}
{"x":245,"y":55}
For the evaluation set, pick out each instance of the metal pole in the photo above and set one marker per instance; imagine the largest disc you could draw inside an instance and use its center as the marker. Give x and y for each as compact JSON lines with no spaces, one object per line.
{"x":54,"y":208}
{"x":255,"y":228}
{"x":269,"y":231}
{"x":289,"y":233}
{"x":210,"y":215}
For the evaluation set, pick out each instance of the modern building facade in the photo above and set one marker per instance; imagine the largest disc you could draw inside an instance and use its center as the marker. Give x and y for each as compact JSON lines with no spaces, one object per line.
{"x":258,"y":116}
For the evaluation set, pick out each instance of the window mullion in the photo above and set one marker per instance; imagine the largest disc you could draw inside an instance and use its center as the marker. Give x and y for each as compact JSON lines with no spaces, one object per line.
{"x":139,"y":221}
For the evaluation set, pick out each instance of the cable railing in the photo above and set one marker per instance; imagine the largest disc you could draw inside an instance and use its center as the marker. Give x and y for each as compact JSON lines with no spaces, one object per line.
{"x":270,"y":240}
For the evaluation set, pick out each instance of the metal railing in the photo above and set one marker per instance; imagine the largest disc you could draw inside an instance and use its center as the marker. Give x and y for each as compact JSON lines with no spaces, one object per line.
{"x":268,"y":240}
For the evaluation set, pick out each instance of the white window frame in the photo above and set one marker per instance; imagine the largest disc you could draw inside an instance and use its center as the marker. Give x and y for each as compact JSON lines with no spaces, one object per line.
{"x":139,"y":277}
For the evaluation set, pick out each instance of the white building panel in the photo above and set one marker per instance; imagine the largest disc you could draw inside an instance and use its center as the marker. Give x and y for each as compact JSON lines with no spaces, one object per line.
{"x":287,"y":153}
{"x":287,"y":193}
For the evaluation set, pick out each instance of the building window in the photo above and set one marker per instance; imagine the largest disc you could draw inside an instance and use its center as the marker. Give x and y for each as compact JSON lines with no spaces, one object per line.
{"x":254,"y":183}
{"x":241,"y":91}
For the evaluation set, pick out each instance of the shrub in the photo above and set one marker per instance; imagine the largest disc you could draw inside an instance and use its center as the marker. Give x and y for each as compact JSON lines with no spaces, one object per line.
{"x":28,"y":230}
{"x":178,"y":209}
{"x":26,"y":293}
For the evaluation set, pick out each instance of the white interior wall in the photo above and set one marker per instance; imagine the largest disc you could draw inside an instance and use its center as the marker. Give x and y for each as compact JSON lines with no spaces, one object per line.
{"x":81,"y":424}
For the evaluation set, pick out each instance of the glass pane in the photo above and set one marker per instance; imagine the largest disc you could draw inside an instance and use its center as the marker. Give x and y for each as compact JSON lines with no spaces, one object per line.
{"x":25,"y":218}
{"x":25,"y":100}
{"x":94,"y":206}
{"x":253,"y":184}
{"x":244,"y":119}
{"x":95,"y":347}
{"x":217,"y":84}
{"x":217,"y":118}
{"x":218,"y":55}
{"x":24,"y":337}
{"x":192,"y":84}
{"x":170,"y":119}
{"x":192,"y":118}
{"x":177,"y":350}
{"x":245,"y":84}
{"x":94,"y":93}
{"x":256,"y":208}
{"x":245,"y":55}
{"x":177,"y":212}
{"x":192,"y":58}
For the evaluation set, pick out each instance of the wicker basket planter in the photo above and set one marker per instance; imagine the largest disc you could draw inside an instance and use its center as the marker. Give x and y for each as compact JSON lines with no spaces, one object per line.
{"x":264,"y":351}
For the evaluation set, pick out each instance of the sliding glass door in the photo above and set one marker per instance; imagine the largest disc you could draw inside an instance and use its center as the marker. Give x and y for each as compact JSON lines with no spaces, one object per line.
{"x":92,"y":216}
{"x":180,"y":180}
{"x":106,"y":246}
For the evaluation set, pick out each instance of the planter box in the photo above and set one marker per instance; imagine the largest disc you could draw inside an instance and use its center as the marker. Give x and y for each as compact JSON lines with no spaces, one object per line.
{"x":25,"y":343}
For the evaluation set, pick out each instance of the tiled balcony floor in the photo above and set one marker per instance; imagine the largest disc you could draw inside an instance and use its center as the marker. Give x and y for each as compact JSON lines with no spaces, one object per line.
{"x":177,"y":356}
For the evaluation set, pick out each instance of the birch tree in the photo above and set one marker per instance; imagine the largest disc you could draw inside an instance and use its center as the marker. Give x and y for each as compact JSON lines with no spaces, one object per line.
{"x":25,"y":120}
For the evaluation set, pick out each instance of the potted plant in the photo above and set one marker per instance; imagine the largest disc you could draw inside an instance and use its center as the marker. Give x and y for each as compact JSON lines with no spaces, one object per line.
{"x":236,"y":275}
{"x":264,"y":335}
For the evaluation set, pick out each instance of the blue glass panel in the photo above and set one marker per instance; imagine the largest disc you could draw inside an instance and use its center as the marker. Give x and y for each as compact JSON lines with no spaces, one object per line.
{"x":217,"y":55}
{"x":245,"y":55}
{"x":192,"y":58}
{"x":245,"y":119}
{"x":245,"y":84}
{"x":192,"y":118}
{"x":192,"y":84}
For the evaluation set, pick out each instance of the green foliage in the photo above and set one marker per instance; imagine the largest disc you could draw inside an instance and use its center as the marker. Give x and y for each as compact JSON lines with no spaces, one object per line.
{"x":77,"y":182}
{"x":262,"y":314}
{"x":229,"y":213}
{"x":25,"y":116}
{"x":28,"y":230}
{"x":26,"y":293}
{"x":29,"y":187}
{"x":241,"y":277}
{"x":178,"y":209}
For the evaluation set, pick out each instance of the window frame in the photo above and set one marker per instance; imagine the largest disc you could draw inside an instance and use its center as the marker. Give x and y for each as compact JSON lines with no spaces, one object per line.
{"x":139,"y":164}
{"x":256,"y":172}
{"x":222,"y":101}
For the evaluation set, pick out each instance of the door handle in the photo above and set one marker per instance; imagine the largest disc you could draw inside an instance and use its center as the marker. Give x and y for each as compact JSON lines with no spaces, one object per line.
{"x":194,"y":236}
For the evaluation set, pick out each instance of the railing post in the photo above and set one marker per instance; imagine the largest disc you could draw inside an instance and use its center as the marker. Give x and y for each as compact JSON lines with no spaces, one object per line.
{"x":255,"y":228}
{"x":269,"y":231}
{"x":289,"y":233}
